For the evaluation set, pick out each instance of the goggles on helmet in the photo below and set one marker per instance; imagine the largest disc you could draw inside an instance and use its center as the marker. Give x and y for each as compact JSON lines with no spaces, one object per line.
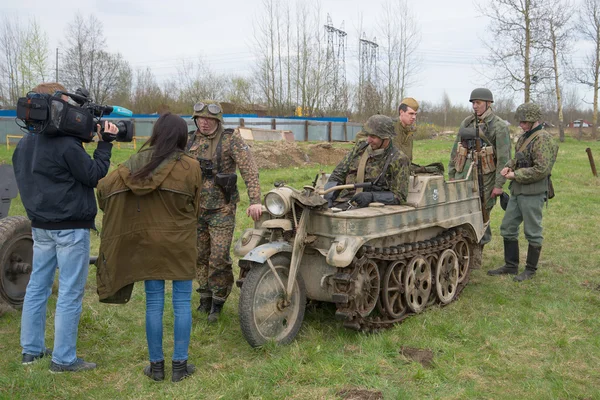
{"x":213,"y":108}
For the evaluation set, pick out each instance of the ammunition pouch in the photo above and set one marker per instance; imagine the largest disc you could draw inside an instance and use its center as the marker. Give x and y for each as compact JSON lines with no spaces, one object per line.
{"x":227,"y":183}
{"x":206,"y":166}
{"x":522,"y":161}
{"x":461,"y":157}
{"x":488,"y":163}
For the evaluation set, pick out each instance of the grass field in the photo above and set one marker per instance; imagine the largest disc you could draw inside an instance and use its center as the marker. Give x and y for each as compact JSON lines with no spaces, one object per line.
{"x":501,"y":340}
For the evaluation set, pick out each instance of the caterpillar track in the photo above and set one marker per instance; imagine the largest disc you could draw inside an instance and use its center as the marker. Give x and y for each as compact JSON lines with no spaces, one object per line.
{"x":384,"y":286}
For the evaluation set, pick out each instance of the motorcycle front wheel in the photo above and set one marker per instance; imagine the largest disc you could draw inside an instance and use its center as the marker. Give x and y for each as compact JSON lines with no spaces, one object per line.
{"x":264,"y":315}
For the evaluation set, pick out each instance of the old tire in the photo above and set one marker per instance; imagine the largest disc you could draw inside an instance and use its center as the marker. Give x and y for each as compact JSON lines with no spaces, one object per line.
{"x":263,"y":316}
{"x":16,"y":256}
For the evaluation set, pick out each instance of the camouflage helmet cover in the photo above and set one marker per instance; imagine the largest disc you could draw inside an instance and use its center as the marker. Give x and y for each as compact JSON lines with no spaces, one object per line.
{"x":481,"y":94}
{"x":528,"y":112}
{"x":381,"y":126}
{"x":205,"y":113}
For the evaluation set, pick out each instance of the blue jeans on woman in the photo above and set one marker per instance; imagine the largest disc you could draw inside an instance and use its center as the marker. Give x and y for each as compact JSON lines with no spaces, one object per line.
{"x":182,"y":309}
{"x":69,"y":250}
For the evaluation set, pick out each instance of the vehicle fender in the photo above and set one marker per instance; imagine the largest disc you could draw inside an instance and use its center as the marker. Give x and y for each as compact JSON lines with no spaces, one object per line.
{"x":263,"y":252}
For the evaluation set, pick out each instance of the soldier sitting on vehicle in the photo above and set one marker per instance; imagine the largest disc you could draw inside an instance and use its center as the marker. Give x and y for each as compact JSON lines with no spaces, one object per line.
{"x":375,"y":161}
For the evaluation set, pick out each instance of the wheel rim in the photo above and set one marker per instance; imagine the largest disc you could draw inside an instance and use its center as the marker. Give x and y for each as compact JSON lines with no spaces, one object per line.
{"x":392,"y":294}
{"x":272,"y":318}
{"x":417,"y":282}
{"x":17,"y":269}
{"x":367,"y":288}
{"x":446,"y":276}
{"x":463,"y":253}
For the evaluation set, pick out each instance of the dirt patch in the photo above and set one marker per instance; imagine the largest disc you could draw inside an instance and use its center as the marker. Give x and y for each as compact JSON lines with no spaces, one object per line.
{"x":360,"y":394}
{"x":5,"y":309}
{"x":423,"y":356}
{"x":269,"y":155}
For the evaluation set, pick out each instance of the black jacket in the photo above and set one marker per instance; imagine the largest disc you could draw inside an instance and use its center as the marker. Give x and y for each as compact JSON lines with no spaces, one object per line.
{"x":56,"y":179}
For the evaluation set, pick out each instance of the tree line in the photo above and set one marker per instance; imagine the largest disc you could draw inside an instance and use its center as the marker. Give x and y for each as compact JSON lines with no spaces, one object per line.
{"x":529,"y":56}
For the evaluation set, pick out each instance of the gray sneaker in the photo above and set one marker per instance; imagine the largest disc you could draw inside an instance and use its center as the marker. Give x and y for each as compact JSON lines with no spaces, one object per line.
{"x":77,"y":366}
{"x":31,"y":358}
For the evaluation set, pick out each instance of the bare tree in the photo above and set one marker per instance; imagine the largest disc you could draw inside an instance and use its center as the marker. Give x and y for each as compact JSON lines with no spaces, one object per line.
{"x":148,"y":97}
{"x":515,"y":33}
{"x":23,"y":59}
{"x":588,"y":25}
{"x":196,"y":81}
{"x":556,"y":43}
{"x":87,"y":65}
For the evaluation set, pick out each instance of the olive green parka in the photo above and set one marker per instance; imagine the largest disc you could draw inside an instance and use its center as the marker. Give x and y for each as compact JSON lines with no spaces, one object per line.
{"x":149,"y":226}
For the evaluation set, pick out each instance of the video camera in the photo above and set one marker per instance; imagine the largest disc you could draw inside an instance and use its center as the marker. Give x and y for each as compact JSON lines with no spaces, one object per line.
{"x":77,"y":116}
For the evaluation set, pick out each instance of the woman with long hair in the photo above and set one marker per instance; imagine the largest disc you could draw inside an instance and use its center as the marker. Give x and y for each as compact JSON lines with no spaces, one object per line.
{"x":151,"y":205}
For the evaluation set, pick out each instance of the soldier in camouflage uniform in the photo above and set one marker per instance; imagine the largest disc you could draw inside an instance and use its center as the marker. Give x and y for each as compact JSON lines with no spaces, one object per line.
{"x":494,"y":136}
{"x":375,"y":160}
{"x":529,"y":175}
{"x":219,"y":151}
{"x":405,"y":126}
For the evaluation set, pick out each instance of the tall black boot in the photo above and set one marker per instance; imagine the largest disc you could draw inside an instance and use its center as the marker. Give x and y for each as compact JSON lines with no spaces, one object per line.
{"x":533,"y":256}
{"x":511,"y":259}
{"x":156,"y":370}
{"x":181,"y":370}
{"x":205,"y":302}
{"x":215,"y":311}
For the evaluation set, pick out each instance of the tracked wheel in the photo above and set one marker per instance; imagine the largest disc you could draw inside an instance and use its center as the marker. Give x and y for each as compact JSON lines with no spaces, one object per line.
{"x":392,"y":292}
{"x":417,"y":281}
{"x":16,"y":258}
{"x":463,"y":253}
{"x":446,"y":276}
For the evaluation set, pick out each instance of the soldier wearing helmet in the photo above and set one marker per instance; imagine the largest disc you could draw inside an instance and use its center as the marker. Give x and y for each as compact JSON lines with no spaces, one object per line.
{"x":406,"y":126}
{"x":375,"y":160}
{"x":219,"y":152}
{"x":530,"y":187}
{"x":494,"y":144}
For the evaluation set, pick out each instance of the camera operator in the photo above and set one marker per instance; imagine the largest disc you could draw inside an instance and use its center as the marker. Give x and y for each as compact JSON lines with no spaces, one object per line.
{"x":56,"y":178}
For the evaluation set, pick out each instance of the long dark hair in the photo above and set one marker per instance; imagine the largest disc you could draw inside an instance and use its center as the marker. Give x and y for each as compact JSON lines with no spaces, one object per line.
{"x":169,"y":135}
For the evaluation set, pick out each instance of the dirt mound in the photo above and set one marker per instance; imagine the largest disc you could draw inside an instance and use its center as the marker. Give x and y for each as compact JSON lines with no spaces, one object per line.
{"x":282,"y":154}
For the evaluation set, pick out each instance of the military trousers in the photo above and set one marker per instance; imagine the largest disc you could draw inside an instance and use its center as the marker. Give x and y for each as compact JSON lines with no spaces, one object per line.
{"x":526,"y":209}
{"x":489,"y":182}
{"x":213,"y":267}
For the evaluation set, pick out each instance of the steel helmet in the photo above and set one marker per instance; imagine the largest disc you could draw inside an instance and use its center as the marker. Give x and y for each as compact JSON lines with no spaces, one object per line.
{"x":208,"y":109}
{"x":481,"y":94}
{"x":381,"y":126}
{"x":528,"y":112}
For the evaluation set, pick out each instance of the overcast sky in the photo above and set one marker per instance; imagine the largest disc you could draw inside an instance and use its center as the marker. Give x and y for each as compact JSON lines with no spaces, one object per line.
{"x":160,"y":33}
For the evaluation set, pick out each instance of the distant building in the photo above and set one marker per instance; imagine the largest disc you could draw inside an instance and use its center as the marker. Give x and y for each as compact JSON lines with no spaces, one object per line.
{"x":579,"y":123}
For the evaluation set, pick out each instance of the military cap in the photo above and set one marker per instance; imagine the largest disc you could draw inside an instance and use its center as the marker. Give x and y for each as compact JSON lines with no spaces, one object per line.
{"x":208,"y":109}
{"x":481,"y":94}
{"x":380,"y":126}
{"x":528,"y":112}
{"x":412,"y":103}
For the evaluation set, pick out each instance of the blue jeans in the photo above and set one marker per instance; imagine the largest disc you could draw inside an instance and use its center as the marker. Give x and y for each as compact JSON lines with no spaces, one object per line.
{"x":182,"y":309}
{"x":69,"y":250}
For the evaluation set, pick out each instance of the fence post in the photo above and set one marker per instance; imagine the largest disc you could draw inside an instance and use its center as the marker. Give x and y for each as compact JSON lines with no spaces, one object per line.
{"x":306,"y":130}
{"x":273,"y":124}
{"x":345,"y":132}
{"x":242,"y":122}
{"x":329,"y":131}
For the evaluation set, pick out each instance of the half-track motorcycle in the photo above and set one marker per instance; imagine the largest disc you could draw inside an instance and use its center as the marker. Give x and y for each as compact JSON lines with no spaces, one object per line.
{"x":378,"y":264}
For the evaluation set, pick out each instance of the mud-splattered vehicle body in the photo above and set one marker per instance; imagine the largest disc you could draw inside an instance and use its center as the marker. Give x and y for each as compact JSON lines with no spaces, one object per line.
{"x":378,"y":264}
{"x":16,"y":244}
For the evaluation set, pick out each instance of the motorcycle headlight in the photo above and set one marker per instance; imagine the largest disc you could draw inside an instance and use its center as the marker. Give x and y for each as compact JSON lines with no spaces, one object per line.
{"x":276,"y":204}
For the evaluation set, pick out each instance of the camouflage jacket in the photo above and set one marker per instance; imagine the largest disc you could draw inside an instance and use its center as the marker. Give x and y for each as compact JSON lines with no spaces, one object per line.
{"x":535,"y":164}
{"x":404,"y":138}
{"x":496,"y":131}
{"x":235,"y":153}
{"x":395,"y":179}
